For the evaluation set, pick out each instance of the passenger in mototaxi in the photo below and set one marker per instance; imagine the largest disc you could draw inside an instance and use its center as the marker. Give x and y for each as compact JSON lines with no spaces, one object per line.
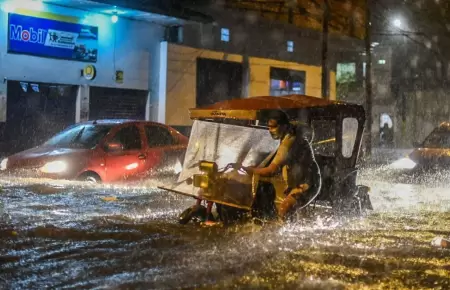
{"x":294,"y":160}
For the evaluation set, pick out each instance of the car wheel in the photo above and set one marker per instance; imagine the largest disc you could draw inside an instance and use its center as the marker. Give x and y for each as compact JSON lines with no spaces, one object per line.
{"x":90,"y":178}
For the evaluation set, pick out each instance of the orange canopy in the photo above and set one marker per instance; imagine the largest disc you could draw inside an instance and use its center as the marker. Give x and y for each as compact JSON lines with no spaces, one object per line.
{"x":250,"y":107}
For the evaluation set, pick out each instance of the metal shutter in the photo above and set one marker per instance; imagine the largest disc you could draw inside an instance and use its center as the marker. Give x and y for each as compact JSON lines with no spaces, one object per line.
{"x":112,"y":103}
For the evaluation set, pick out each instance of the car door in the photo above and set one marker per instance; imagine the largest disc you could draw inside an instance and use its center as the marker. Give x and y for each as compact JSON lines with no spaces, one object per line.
{"x":125,"y":157}
{"x":163,"y":151}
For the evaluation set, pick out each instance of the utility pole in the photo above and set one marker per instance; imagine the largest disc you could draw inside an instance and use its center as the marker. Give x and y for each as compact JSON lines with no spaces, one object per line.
{"x":368,"y":25}
{"x":246,"y":74}
{"x":325,"y":71}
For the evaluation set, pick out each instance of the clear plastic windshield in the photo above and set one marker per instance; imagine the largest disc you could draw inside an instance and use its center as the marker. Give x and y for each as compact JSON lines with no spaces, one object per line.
{"x":223,"y":144}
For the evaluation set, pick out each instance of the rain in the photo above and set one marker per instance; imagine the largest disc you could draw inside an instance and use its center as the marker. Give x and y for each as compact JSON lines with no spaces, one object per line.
{"x":135,"y":140}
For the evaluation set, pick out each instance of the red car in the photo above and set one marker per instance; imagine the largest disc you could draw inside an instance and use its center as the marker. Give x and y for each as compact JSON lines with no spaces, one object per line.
{"x":103,"y":151}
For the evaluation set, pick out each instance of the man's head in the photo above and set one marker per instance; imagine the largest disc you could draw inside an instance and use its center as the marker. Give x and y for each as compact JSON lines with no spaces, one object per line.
{"x":278,"y":124}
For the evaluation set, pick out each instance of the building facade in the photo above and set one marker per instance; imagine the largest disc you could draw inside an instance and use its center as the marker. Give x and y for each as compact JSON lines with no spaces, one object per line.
{"x":243,"y":55}
{"x":197,"y":77}
{"x":409,"y":89}
{"x":77,"y":61}
{"x":61,"y":65}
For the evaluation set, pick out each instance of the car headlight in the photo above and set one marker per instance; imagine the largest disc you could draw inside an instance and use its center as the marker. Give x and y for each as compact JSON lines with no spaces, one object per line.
{"x":4,"y":164}
{"x":404,"y":163}
{"x":54,"y":167}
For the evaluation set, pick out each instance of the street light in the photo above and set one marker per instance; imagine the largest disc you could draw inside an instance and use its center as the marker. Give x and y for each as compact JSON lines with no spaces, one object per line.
{"x":397,"y":23}
{"x":114,"y":18}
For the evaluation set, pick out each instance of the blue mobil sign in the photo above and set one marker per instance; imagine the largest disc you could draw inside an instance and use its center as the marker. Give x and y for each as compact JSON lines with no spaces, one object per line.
{"x":52,"y":38}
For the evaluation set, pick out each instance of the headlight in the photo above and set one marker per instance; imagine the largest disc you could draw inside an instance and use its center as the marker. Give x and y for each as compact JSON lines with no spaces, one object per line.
{"x":54,"y":167}
{"x":201,"y":180}
{"x":4,"y":164}
{"x":208,"y":167}
{"x":404,"y":163}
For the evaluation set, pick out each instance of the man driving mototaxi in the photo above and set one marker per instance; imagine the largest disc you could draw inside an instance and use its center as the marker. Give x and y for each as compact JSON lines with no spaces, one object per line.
{"x":294,"y":158}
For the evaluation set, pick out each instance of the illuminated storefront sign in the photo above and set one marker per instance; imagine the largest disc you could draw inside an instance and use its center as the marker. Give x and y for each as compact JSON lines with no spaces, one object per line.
{"x":52,"y":38}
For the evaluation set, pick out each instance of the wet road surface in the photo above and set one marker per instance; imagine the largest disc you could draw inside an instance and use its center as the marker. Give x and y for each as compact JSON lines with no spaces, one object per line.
{"x":71,"y":235}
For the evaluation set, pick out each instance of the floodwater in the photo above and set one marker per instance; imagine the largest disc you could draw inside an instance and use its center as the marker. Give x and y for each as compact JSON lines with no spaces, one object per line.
{"x":71,"y":235}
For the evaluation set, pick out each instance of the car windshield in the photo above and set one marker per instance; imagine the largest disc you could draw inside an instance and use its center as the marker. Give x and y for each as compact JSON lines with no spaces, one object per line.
{"x":80,"y":136}
{"x":438,"y":139}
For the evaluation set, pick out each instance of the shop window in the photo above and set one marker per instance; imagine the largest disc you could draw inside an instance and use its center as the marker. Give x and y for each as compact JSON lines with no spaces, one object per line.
{"x":286,"y":82}
{"x":225,"y":34}
{"x":290,"y":46}
{"x":346,"y":72}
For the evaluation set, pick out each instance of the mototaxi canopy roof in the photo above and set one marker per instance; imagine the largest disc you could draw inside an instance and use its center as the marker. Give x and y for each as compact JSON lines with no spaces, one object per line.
{"x":254,"y":108}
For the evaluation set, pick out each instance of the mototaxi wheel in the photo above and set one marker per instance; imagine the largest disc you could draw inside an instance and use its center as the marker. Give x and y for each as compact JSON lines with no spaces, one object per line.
{"x":195,"y":212}
{"x":364,"y":198}
{"x":228,"y":214}
{"x":357,"y":204}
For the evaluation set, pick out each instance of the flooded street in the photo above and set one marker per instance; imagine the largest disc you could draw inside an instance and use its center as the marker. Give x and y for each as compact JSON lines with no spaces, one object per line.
{"x":70,"y":235}
{"x":260,"y":106}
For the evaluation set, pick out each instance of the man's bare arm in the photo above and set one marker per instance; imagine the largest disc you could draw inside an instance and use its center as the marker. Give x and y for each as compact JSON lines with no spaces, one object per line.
{"x":265,"y":171}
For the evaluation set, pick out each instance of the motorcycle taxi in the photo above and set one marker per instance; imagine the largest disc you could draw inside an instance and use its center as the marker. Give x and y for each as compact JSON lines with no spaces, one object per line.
{"x":234,"y":133}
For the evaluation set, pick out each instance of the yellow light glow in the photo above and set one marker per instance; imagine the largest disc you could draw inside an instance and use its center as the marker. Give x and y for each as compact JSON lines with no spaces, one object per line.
{"x":54,"y":167}
{"x":131,"y":166}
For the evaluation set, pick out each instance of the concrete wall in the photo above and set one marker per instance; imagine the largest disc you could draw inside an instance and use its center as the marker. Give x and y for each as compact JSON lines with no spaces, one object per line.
{"x":257,"y":37}
{"x":258,"y":40}
{"x":182,"y":73}
{"x":131,"y":46}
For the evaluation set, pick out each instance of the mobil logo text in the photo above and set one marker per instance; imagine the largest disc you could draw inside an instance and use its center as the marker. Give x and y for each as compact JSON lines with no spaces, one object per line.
{"x":33,"y":35}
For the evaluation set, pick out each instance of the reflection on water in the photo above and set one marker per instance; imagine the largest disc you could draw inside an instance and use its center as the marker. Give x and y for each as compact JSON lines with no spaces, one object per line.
{"x":68,"y":234}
